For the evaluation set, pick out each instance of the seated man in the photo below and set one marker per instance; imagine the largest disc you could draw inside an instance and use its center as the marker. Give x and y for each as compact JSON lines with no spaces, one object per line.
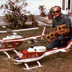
{"x":59,"y":19}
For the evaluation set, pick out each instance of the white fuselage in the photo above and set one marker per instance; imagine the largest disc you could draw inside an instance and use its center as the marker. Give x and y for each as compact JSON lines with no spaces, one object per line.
{"x":46,"y":53}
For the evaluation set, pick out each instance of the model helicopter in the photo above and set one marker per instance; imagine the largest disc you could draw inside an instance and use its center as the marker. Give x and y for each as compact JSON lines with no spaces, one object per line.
{"x":11,"y":42}
{"x":35,"y":53}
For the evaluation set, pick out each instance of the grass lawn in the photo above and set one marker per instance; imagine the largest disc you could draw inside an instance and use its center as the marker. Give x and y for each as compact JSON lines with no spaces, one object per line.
{"x":59,"y":62}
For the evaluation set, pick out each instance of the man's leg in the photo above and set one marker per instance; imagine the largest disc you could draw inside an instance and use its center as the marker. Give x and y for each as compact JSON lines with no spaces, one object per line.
{"x":54,"y":43}
{"x":63,"y":41}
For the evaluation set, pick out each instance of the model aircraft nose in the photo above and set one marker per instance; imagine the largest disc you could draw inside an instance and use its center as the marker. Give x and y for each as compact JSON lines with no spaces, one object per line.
{"x":16,"y":58}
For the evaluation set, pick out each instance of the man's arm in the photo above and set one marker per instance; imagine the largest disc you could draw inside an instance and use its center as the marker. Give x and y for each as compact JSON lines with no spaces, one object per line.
{"x":68,"y":30}
{"x":68,"y":26}
{"x":53,"y":24}
{"x":60,"y":33}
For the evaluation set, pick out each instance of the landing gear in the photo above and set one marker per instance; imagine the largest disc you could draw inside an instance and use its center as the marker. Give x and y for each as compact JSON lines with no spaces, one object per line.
{"x":8,"y":56}
{"x":27,"y":67}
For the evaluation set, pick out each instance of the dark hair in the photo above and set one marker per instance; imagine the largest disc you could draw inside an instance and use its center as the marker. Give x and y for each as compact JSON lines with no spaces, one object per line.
{"x":58,"y":7}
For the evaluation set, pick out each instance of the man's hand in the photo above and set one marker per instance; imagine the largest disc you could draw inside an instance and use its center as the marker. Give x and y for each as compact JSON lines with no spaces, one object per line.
{"x":49,"y":40}
{"x":58,"y":32}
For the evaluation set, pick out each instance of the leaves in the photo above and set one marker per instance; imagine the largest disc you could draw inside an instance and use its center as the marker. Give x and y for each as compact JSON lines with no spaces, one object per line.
{"x":15,"y":12}
{"x":6,"y":6}
{"x":1,"y":6}
{"x":50,"y":11}
{"x":42,"y":7}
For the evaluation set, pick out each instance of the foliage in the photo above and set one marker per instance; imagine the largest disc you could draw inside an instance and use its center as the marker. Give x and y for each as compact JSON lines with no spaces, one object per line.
{"x":31,"y":17}
{"x":35,"y":23}
{"x":15,"y":12}
{"x":50,"y":11}
{"x":42,"y":8}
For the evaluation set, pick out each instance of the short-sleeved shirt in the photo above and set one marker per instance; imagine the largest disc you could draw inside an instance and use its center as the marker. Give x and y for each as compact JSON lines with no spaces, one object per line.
{"x":63,"y":20}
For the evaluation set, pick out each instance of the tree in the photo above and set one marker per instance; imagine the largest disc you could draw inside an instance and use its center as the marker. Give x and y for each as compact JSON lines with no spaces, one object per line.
{"x":15,"y":12}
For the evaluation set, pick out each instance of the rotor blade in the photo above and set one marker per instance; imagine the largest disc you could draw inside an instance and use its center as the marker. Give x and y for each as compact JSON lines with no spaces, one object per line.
{"x":20,"y":30}
{"x":3,"y":31}
{"x":26,"y":29}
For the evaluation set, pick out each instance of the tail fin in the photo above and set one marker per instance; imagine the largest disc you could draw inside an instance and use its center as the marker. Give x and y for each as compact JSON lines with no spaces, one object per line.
{"x":43,"y":31}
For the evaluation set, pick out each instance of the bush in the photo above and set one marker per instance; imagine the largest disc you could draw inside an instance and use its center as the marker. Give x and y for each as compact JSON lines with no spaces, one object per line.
{"x":15,"y":12}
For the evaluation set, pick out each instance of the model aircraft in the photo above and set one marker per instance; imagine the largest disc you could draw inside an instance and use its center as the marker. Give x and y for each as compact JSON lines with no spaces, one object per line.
{"x":11,"y":42}
{"x":35,"y":53}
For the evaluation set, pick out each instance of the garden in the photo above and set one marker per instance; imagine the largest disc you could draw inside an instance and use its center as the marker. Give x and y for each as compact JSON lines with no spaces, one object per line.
{"x":15,"y":15}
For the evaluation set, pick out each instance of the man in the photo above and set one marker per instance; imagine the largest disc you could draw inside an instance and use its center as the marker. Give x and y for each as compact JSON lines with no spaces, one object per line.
{"x":59,"y":19}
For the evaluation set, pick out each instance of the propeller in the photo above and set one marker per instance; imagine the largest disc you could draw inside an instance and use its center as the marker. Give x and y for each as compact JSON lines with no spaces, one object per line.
{"x":34,"y":41}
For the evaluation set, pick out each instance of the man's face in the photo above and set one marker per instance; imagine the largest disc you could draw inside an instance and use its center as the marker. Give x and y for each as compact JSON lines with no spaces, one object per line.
{"x":56,"y":11}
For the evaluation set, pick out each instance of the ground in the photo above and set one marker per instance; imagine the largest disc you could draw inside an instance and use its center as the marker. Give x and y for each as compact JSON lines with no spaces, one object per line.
{"x":59,"y":62}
